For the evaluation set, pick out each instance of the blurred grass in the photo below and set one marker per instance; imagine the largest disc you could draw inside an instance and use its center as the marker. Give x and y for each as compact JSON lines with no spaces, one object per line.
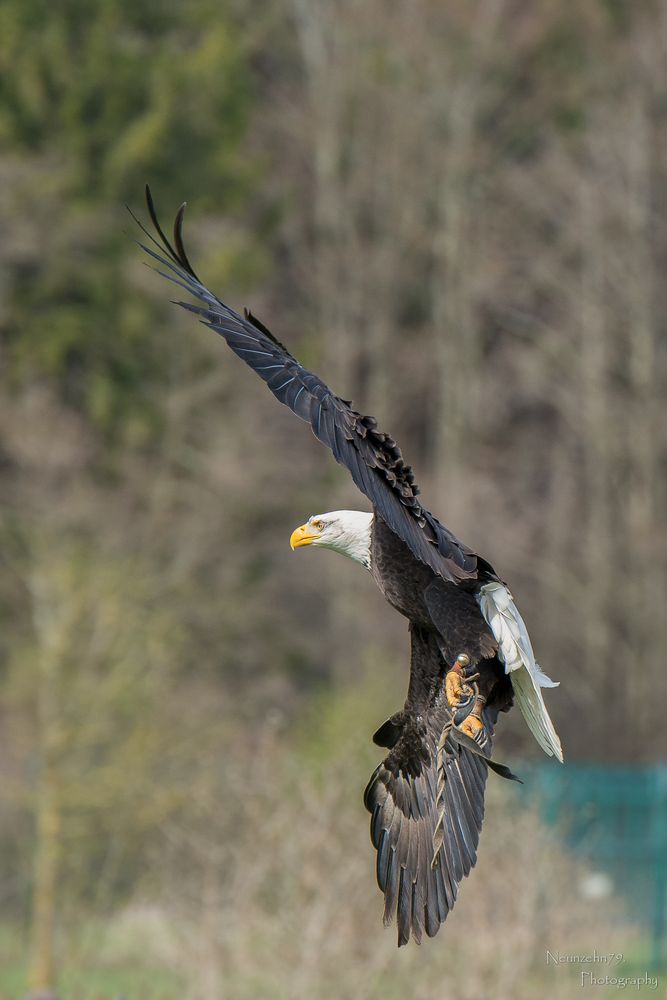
{"x":87,"y":974}
{"x":106,"y":978}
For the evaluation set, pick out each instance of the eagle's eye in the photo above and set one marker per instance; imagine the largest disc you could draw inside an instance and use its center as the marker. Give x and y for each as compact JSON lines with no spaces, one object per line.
{"x":319,"y":525}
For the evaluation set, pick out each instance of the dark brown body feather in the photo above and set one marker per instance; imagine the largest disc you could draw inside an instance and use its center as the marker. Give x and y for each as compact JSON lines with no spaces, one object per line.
{"x":445,"y":621}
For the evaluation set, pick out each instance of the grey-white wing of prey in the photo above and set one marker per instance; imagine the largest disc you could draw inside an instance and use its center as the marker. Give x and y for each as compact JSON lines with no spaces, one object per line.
{"x":515,"y":648}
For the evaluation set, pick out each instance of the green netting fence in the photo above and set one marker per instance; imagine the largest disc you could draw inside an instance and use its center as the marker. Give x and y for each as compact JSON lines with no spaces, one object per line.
{"x":615,"y":817}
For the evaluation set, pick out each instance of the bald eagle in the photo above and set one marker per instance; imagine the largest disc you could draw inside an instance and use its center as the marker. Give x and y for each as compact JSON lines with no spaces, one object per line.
{"x":471,"y":656}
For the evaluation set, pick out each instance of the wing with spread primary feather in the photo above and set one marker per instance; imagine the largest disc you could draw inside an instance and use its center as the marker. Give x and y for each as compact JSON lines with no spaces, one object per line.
{"x":373,"y":458}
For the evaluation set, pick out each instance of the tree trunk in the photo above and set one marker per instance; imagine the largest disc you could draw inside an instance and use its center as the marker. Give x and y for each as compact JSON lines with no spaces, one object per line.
{"x":50,"y":630}
{"x":42,"y":978}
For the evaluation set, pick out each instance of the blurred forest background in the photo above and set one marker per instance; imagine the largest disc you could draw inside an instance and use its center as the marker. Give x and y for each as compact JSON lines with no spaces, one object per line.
{"x":455,"y":213}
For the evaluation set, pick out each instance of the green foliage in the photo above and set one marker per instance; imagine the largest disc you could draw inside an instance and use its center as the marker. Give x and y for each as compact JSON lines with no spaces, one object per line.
{"x":120,"y":91}
{"x":95,"y":100}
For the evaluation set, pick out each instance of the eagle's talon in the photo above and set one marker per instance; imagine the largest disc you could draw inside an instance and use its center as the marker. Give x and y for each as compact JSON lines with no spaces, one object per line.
{"x":474,"y":728}
{"x":471,"y":726}
{"x":462,"y":713}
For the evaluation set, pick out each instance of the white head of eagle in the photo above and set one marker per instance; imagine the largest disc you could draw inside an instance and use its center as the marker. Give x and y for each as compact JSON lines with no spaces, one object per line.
{"x":345,"y":531}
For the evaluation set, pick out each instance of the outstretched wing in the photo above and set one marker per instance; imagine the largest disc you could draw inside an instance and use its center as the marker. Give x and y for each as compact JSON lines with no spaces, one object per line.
{"x":373,"y":458}
{"x":418,"y":872}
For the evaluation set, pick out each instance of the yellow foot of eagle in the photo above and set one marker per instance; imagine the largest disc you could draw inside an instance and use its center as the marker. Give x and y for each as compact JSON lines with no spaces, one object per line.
{"x":460,"y":687}
{"x":473,"y":725}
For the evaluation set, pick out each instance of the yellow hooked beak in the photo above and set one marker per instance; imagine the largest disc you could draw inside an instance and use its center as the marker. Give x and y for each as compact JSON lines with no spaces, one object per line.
{"x":305,"y":535}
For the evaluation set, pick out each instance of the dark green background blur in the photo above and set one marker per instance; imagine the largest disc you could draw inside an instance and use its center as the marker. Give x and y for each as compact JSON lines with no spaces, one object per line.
{"x":455,"y":213}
